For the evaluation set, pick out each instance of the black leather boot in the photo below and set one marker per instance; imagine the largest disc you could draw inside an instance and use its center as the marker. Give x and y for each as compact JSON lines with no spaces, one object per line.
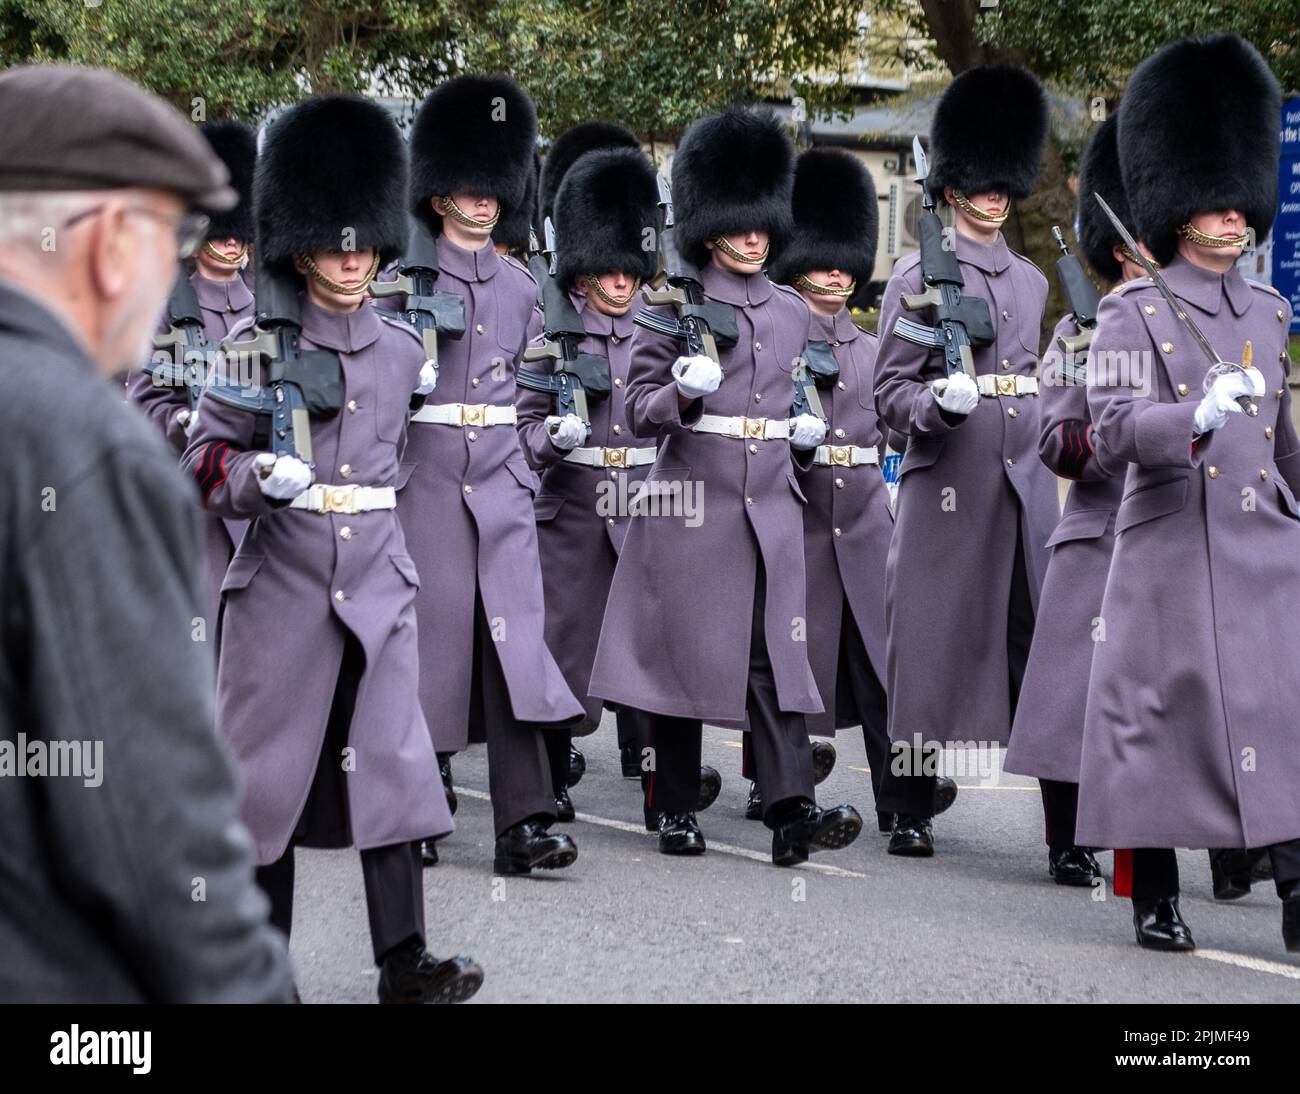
{"x":1230,"y":873}
{"x":410,"y":974}
{"x":1073,"y":866}
{"x":428,"y":852}
{"x":945,"y":793}
{"x":679,"y":834}
{"x":823,"y":753}
{"x":444,"y":769}
{"x":754,"y":805}
{"x":577,"y":766}
{"x":710,"y":787}
{"x":912,"y":837}
{"x":528,"y":846}
{"x":811,"y":828}
{"x":563,"y":806}
{"x":1159,"y":926}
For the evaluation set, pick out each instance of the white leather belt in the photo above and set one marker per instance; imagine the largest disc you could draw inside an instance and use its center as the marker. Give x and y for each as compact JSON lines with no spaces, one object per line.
{"x":479,"y":414}
{"x":757,"y":429}
{"x":324,"y":497}
{"x":611,"y":457}
{"x":1006,"y":384}
{"x":845,"y":455}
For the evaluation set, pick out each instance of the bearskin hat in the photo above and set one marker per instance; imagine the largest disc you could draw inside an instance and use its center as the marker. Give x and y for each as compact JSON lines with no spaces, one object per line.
{"x":607,"y":216}
{"x":836,"y":218}
{"x":571,"y":145}
{"x":236,"y":145}
{"x":1099,"y":174}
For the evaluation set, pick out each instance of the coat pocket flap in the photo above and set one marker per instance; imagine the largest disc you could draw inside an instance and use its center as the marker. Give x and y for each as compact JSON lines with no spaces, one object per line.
{"x":546,"y":506}
{"x":794,"y":485}
{"x":404,"y":473}
{"x":1288,"y":498}
{"x":241,"y":571}
{"x":521,"y":471}
{"x":1081,"y":524}
{"x":920,"y":453}
{"x":406,"y":567}
{"x":1148,"y":502}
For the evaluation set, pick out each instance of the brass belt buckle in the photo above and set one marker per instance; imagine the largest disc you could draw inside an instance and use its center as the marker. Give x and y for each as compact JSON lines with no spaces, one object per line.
{"x":473,"y":413}
{"x":756,"y":428}
{"x":841,"y":455}
{"x":1006,"y":385}
{"x":340,"y":499}
{"x":616,"y":457}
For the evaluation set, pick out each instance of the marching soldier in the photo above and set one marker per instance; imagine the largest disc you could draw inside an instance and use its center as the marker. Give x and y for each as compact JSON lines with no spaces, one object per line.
{"x":1190,"y":736}
{"x":975,"y":505}
{"x":318,"y":668}
{"x":486,"y":673}
{"x":706,"y":617}
{"x":224,"y":301}
{"x":1048,"y":730}
{"x":847,"y":523}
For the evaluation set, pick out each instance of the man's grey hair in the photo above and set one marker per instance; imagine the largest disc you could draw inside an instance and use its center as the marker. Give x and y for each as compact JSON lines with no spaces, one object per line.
{"x":33,"y":218}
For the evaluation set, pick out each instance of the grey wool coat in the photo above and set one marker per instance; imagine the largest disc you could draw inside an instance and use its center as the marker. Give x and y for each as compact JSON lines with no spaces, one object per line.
{"x":967,"y":488}
{"x":675,"y":639}
{"x":1191,"y":736}
{"x":847,"y":524}
{"x":580,"y":525}
{"x":466,"y":503}
{"x":1047,"y":734}
{"x":301,"y":580}
{"x":224,"y":307}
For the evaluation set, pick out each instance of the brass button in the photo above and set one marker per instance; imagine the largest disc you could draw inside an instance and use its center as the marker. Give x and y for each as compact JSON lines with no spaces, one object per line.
{"x":1263,"y":473}
{"x":1006,"y":363}
{"x":479,"y":327}
{"x":618,"y":429}
{"x":469,"y":489}
{"x":345,"y":532}
{"x":839,"y":483}
{"x":839,"y":433}
{"x":1168,"y":347}
{"x":749,"y":501}
{"x":758,"y":396}
{"x":1182,"y":389}
{"x":839,"y":532}
{"x":1006,"y":314}
{"x":1280,"y":392}
{"x":1282,"y":356}
{"x":840,"y":384}
{"x":340,"y":596}
{"x":1150,"y":309}
{"x":1013,"y":412}
{"x":618,"y":381}
{"x":473,"y":382}
{"x":753,"y":448}
{"x":1214,"y":472}
{"x":609,"y":521}
{"x":1268,"y":432}
{"x":1011,"y":461}
{"x":472,"y":435}
{"x":758,"y":347}
{"x":346,"y":470}
{"x":352,"y":406}
{"x":1281,"y":315}
{"x":616,"y":339}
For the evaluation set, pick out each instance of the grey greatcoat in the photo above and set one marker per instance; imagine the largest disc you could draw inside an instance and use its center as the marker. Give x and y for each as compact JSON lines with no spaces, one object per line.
{"x":847,"y":524}
{"x":676,"y":634}
{"x":1191,"y":737}
{"x":466,"y":503}
{"x":1048,"y":730}
{"x":302,"y":580}
{"x":966,"y":489}
{"x":580,"y":524}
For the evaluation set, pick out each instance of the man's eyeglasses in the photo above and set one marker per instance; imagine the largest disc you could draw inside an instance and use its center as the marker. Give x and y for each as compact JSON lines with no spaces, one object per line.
{"x":191,"y":228}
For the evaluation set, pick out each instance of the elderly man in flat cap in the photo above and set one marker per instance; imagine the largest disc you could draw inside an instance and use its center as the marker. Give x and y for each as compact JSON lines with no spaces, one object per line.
{"x":126,"y":873}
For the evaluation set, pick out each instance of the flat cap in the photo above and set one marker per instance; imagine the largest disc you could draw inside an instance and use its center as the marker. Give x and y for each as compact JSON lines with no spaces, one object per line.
{"x":65,"y":128}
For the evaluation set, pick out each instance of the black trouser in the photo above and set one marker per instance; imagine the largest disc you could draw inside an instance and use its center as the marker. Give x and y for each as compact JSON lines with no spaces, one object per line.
{"x":1060,"y":810}
{"x":633,"y":725}
{"x":1155,"y":870}
{"x":632,"y":733}
{"x":869,"y":699}
{"x":909,"y":790}
{"x":778,"y":740}
{"x":394,"y":883}
{"x":519,"y":768}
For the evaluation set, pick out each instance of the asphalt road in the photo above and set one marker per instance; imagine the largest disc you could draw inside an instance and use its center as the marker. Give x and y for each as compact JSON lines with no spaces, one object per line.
{"x":979,"y":922}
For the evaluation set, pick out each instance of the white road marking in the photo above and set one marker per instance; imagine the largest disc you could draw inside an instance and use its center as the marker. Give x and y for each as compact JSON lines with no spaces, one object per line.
{"x":713,"y":845}
{"x":1255,"y":964}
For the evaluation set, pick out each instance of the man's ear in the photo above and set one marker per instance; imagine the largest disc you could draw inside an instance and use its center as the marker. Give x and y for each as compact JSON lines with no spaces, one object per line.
{"x":1117,"y":252}
{"x":111,"y":258}
{"x":947,"y":194}
{"x":299,"y":265}
{"x":436,"y":204}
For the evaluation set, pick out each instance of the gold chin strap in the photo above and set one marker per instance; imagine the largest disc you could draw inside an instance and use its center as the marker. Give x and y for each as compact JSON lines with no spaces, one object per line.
{"x":1128,"y":253}
{"x":727,"y":249}
{"x":459,"y":214}
{"x":217,"y":256}
{"x":964,"y":204}
{"x":593,"y":283}
{"x":334,"y":286}
{"x":1195,"y":235}
{"x":802,"y":282}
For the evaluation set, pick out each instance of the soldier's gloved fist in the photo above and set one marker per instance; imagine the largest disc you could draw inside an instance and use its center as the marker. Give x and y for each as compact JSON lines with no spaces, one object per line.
{"x":807,"y":431}
{"x":428,"y":378}
{"x":281,"y":477}
{"x":187,"y":420}
{"x":1221,"y":400}
{"x":697,"y":376}
{"x":957,"y":394}
{"x":567,"y":432}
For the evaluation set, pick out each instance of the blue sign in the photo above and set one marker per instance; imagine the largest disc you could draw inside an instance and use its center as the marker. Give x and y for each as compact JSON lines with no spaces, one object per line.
{"x":1286,"y":228}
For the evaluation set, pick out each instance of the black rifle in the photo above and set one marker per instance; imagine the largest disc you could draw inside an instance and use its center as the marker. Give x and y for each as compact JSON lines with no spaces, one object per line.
{"x":1082,"y":295}
{"x":302,"y":382}
{"x":964,"y":322}
{"x":817,"y":367}
{"x":574,"y":376}
{"x":432,"y":313}
{"x":702,"y":324}
{"x":187,"y":347}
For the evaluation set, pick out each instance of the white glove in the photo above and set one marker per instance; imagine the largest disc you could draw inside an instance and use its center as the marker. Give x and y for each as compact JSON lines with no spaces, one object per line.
{"x":281,"y":477}
{"x":807,"y":431}
{"x":957,"y":394}
{"x":1221,"y":400}
{"x":187,"y":419}
{"x":428,"y":378}
{"x":697,"y":376}
{"x":567,"y":432}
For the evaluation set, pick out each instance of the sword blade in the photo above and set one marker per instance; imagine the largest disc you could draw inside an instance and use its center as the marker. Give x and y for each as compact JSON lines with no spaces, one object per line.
{"x":922,"y":164}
